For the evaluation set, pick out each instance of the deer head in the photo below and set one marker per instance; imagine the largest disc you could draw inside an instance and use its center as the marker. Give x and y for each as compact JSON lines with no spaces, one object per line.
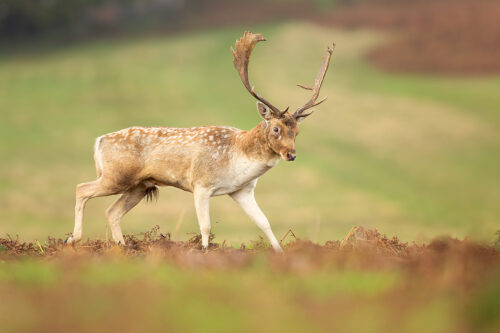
{"x":280,"y":127}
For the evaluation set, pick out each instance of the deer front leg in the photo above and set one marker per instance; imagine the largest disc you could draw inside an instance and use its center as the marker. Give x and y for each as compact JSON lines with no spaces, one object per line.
{"x":202,"y":205}
{"x":246,"y":199}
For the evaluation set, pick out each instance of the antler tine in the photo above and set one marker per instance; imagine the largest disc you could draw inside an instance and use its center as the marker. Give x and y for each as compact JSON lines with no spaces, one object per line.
{"x":244,"y":47}
{"x":317,"y":86}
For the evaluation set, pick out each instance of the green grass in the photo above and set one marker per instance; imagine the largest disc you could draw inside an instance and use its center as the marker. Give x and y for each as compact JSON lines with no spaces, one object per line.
{"x":144,"y":294}
{"x":159,"y":295}
{"x":411,"y":155}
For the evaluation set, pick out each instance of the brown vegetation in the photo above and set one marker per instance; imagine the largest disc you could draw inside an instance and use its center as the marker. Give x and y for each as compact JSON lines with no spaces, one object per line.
{"x":443,"y":36}
{"x":447,"y":282}
{"x":447,"y":258}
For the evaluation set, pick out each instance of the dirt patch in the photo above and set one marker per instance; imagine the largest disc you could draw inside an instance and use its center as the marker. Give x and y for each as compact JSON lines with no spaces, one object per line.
{"x":435,"y":36}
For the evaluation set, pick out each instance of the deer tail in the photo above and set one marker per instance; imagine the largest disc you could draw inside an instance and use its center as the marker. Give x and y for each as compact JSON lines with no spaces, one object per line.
{"x":152,"y":193}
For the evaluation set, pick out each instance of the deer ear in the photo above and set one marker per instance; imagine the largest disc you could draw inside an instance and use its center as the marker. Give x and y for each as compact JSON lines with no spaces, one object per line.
{"x":264,"y":111}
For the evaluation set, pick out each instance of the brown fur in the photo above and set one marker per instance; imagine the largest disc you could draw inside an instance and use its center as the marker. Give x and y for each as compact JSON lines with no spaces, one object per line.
{"x":184,"y":158}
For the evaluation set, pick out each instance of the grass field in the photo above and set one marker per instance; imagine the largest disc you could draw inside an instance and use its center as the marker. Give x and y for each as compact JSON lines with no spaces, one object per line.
{"x":415,"y":156}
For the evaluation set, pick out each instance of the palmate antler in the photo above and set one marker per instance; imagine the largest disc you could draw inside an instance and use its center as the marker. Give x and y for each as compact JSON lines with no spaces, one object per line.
{"x":244,"y":47}
{"x":299,"y":113}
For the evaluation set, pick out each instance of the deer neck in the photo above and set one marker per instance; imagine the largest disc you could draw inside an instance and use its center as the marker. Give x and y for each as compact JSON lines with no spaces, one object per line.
{"x":254,"y":145}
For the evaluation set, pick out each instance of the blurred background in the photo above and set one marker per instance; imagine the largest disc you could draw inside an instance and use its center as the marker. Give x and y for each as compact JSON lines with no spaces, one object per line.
{"x":408,"y":141}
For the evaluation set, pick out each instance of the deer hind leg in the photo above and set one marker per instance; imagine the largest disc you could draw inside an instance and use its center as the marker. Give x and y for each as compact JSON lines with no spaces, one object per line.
{"x":84,"y":192}
{"x":246,"y":199}
{"x":120,"y":207}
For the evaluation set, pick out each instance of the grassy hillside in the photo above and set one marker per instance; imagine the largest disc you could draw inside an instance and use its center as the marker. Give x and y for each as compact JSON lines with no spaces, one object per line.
{"x":413,"y":156}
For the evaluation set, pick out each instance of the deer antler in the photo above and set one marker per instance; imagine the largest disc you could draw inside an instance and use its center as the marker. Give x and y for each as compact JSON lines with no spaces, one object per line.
{"x":315,"y":89}
{"x":244,"y":47}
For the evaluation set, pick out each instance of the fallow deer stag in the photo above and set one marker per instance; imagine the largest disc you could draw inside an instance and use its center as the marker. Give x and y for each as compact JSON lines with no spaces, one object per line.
{"x":207,"y":161}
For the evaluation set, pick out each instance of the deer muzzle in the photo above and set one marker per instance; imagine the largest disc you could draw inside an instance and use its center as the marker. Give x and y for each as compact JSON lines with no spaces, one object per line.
{"x":291,"y":156}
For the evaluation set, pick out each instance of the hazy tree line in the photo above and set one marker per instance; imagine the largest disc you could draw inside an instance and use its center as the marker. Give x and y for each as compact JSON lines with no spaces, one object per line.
{"x":22,"y":19}
{"x":31,"y":18}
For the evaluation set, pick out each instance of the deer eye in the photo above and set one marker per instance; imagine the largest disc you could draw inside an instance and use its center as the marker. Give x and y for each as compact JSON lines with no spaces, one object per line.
{"x":276,"y":130}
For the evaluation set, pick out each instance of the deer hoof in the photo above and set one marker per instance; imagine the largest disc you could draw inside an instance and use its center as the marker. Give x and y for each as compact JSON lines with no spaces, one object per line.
{"x":278,"y":249}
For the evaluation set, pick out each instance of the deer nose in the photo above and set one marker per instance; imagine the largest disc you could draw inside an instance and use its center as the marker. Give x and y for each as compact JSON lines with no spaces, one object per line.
{"x":290,"y":156}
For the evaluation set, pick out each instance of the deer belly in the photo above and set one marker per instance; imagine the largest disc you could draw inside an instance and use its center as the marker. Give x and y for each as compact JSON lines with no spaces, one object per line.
{"x":169,"y":171}
{"x":239,"y":176}
{"x":229,"y":187}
